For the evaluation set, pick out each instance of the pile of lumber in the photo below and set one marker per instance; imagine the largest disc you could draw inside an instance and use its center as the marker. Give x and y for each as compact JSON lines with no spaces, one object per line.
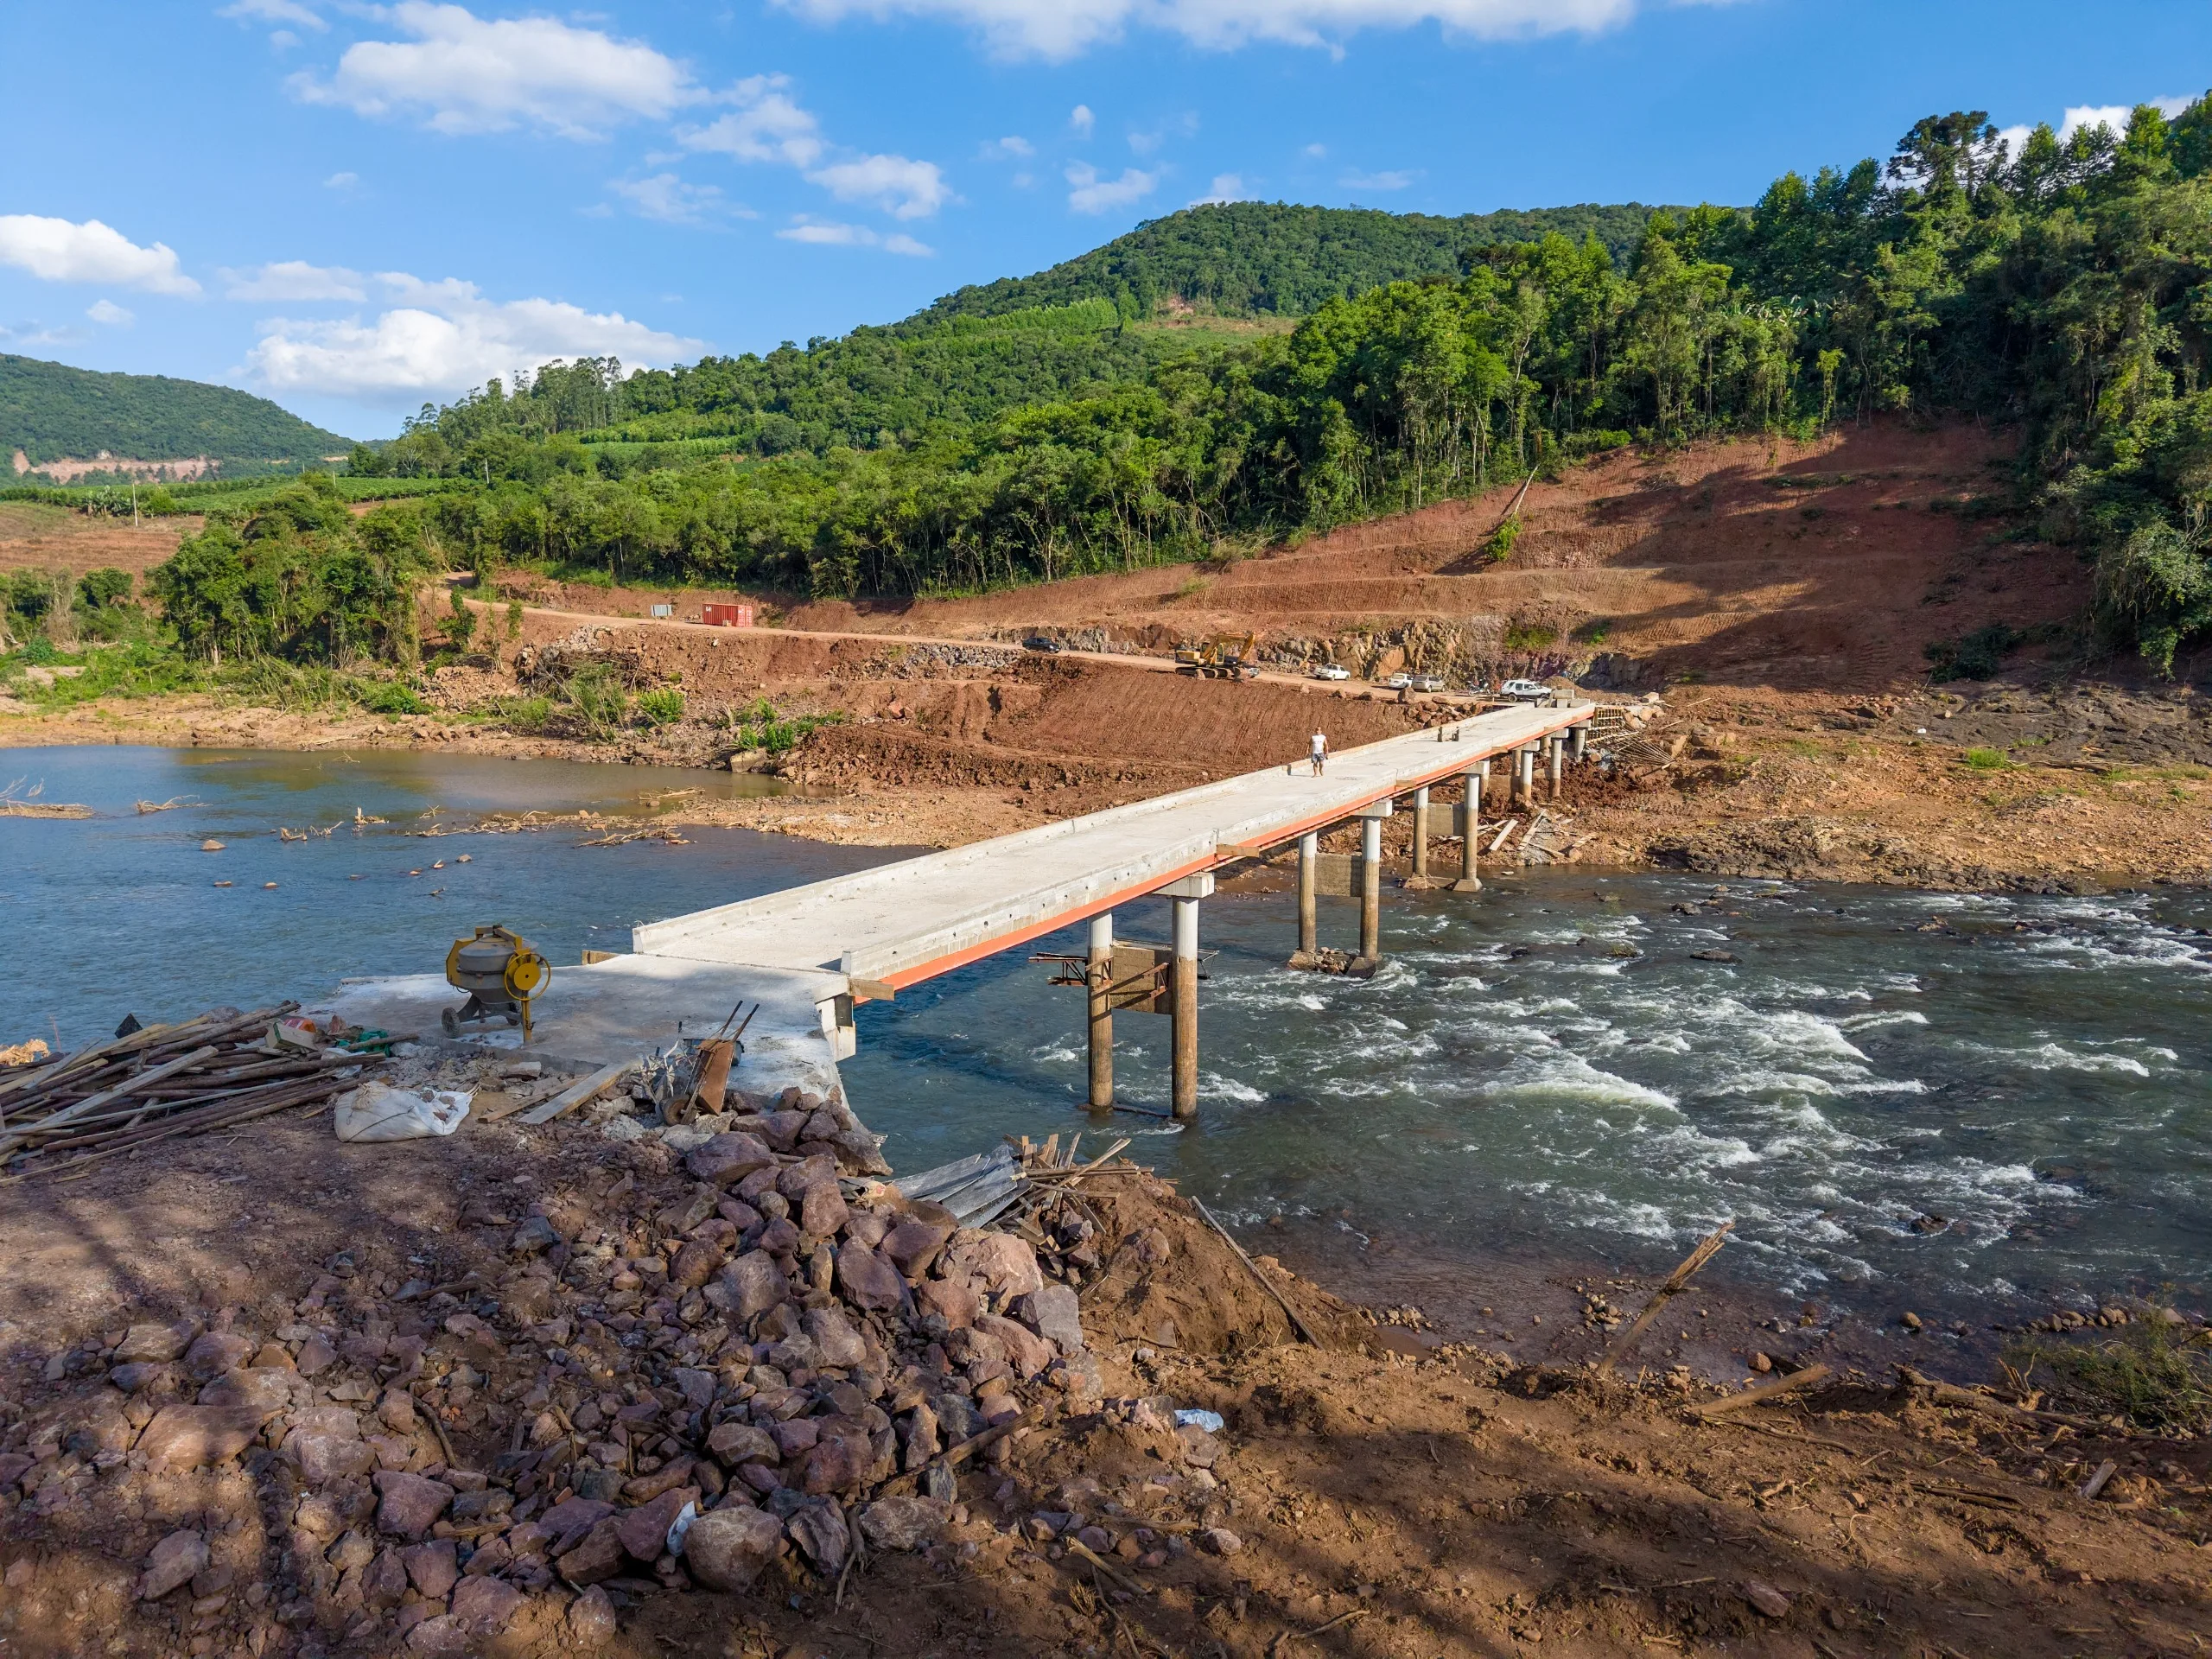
{"x":217,"y":1071}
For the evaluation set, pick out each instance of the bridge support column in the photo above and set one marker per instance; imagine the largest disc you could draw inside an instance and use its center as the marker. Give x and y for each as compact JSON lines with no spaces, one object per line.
{"x":1558,"y":747}
{"x":1524,"y":776}
{"x":1183,"y":987}
{"x":1476,"y":779}
{"x":1581,"y":743}
{"x":1421,"y":838}
{"x":1370,"y":956}
{"x":1309,"y":933}
{"x":1098,"y":975}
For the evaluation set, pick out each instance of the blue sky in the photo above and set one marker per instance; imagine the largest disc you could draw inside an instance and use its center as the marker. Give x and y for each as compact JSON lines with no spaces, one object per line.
{"x":353,"y":208}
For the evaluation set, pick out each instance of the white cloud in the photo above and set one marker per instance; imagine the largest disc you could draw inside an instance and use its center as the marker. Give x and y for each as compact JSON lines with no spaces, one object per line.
{"x":902,"y":189}
{"x":108,"y":312}
{"x":1007,"y":149}
{"x":829,"y":234}
{"x":294,"y":279}
{"x":1226,"y":186}
{"x":1093,"y":194}
{"x":769,"y":125}
{"x":34,"y":334}
{"x":1061,"y":28}
{"x":1391,"y":181}
{"x":1081,"y":120}
{"x":341,"y":182}
{"x":59,"y":250}
{"x":443,"y":338}
{"x":272,"y":11}
{"x":2091,"y":115}
{"x":670,"y":199}
{"x":1317,"y":151}
{"x":470,"y":75}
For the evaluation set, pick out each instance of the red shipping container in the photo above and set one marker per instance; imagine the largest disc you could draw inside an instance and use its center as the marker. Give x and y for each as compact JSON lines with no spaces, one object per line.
{"x":727,"y":616}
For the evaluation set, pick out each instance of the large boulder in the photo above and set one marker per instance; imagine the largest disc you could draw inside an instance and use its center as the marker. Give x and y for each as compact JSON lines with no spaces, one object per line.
{"x":751,"y":1285}
{"x":1000,"y":1263}
{"x":192,"y":1437}
{"x":410,"y":1504}
{"x":217,"y":1352}
{"x":155,"y":1344}
{"x":867,"y":1280}
{"x":823,"y":1213}
{"x":1053,"y":1312}
{"x":726,"y":1548}
{"x":173,"y":1563}
{"x":733,"y":1443}
{"x":644,"y":1530}
{"x":839,"y":1344}
{"x":1026,"y":1351}
{"x":819,"y":1531}
{"x":729,"y":1159}
{"x":905,"y":1522}
{"x":913,"y":1244}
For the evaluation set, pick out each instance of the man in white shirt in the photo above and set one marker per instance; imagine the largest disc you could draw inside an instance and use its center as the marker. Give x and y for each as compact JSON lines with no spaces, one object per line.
{"x":1320,"y":755}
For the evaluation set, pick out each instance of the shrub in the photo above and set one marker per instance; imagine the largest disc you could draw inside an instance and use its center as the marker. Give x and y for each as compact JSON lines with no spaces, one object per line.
{"x":1988,"y":759}
{"x":2157,"y":1373}
{"x":1499,"y":547}
{"x":388,"y":697}
{"x":104,"y":586}
{"x":1979,"y":656}
{"x":662,"y":708}
{"x":595,"y":701}
{"x":1530,"y":635}
{"x":527,"y":714}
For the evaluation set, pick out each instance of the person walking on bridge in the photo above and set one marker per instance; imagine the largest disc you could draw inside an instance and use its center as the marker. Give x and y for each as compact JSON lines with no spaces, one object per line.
{"x":1320,"y":755}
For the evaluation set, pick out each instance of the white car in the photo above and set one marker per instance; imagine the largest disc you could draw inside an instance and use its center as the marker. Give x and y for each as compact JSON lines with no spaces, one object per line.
{"x":1525,"y":691}
{"x":1397,"y":682}
{"x":1330,"y":671}
{"x":1427,"y":682}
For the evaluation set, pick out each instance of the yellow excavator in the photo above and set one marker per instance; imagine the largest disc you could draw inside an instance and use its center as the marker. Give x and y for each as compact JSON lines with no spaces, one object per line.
{"x":1225,"y":657}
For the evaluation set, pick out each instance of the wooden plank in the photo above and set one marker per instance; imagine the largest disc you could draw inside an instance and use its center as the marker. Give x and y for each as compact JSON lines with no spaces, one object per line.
{"x":1137,"y":980}
{"x":872,"y":990}
{"x":92,"y":1102}
{"x":1677,"y":1281}
{"x":1790,"y":1384}
{"x":569,"y":1099}
{"x":1289,"y":1313}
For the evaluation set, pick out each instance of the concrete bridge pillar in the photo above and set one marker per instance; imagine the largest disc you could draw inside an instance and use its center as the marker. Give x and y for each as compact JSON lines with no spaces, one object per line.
{"x":1477,"y":779}
{"x":1524,"y":776}
{"x":1581,"y":741}
{"x":1557,"y":745}
{"x":1309,"y":854}
{"x":1098,"y":975}
{"x":1183,"y":987}
{"x":1371,"y":887}
{"x":1421,"y":836}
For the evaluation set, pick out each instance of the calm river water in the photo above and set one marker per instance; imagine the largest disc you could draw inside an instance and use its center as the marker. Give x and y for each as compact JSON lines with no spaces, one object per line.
{"x":1963,"y":1099}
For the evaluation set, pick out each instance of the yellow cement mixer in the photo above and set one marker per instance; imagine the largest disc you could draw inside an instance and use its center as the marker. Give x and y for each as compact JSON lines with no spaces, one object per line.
{"x":501,"y":974}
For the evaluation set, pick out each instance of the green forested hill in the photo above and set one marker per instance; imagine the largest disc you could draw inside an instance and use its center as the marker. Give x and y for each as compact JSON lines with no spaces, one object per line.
{"x":50,"y":411}
{"x":1252,"y":258}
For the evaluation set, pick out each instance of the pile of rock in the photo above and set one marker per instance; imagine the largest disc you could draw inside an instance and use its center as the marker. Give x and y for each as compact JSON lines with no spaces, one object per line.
{"x":673,"y":1375}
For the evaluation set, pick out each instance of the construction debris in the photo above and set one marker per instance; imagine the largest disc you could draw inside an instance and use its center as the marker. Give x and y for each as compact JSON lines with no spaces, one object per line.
{"x":221,"y":1070}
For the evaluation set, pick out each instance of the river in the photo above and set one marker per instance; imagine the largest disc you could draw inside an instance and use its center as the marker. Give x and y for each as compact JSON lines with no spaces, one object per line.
{"x":1963,"y":1101}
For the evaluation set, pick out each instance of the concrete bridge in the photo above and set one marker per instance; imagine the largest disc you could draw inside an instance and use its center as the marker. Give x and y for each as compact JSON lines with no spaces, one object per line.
{"x":872,"y":933}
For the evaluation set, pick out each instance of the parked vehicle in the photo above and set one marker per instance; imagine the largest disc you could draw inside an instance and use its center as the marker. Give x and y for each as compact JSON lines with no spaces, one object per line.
{"x":1397,"y":682}
{"x":1045,"y":643}
{"x":1331,"y":671}
{"x":1525,"y":691}
{"x":1427,"y":682}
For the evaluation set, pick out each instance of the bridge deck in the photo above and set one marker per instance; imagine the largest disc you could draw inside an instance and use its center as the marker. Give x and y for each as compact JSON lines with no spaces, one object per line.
{"x":901,"y":923}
